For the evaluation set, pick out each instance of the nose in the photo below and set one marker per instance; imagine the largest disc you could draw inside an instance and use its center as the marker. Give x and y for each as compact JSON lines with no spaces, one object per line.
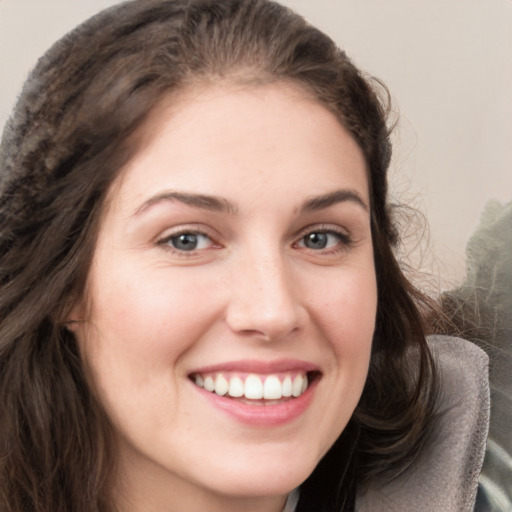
{"x":264,"y":299}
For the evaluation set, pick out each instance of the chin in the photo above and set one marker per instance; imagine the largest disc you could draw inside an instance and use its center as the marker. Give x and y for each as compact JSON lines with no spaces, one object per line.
{"x":257,"y":478}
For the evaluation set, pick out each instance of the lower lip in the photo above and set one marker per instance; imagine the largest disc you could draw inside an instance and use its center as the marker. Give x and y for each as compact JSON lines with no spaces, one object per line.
{"x":262,"y":415}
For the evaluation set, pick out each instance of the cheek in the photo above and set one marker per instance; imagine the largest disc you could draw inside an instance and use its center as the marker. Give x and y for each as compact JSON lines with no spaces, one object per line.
{"x":143,"y":325}
{"x":347,"y":317}
{"x":346,"y":309}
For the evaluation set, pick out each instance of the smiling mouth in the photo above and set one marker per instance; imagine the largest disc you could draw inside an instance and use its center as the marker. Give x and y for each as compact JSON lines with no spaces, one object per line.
{"x":256,"y":389}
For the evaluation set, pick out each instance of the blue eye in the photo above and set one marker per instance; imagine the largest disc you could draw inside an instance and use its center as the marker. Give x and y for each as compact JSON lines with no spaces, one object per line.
{"x":316,"y":240}
{"x":321,"y":240}
{"x":189,"y":241}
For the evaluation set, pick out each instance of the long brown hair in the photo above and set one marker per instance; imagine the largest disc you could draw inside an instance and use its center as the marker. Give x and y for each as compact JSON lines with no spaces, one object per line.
{"x":70,"y":134}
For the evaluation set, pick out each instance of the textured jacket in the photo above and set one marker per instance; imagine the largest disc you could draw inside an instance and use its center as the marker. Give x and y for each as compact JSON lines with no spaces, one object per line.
{"x":445,"y":476}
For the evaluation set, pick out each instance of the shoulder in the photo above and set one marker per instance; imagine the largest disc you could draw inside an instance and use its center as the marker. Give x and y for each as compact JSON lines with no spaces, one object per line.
{"x":458,"y":354}
{"x":445,"y":475}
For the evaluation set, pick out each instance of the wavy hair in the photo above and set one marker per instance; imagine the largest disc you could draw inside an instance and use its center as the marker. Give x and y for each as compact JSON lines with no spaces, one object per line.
{"x":72,"y":131}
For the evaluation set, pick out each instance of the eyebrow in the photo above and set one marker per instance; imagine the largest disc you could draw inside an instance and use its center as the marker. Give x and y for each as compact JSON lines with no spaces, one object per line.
{"x":222,"y":205}
{"x":205,"y":202}
{"x":338,"y":196}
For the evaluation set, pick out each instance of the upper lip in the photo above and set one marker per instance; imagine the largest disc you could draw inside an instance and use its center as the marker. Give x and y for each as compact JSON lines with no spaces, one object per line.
{"x":260,"y":367}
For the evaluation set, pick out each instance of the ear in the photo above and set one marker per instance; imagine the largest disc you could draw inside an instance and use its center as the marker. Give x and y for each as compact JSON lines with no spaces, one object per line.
{"x":73,"y":318}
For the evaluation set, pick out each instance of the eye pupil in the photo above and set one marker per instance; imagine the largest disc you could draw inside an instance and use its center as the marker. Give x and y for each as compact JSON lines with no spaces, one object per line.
{"x":185,"y":242}
{"x":316,"y":240}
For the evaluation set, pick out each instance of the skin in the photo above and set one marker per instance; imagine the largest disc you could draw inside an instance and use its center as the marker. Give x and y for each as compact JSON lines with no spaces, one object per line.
{"x":253,"y":289}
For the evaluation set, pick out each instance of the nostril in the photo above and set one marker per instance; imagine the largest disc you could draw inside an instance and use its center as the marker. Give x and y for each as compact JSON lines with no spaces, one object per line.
{"x":264,"y":324}
{"x":264,"y":303}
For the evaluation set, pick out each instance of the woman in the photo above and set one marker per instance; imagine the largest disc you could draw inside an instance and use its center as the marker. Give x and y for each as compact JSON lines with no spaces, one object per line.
{"x":201,"y":309}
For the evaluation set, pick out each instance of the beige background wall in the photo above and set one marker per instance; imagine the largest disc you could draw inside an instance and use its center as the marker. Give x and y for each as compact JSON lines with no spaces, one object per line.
{"x":447,"y":63}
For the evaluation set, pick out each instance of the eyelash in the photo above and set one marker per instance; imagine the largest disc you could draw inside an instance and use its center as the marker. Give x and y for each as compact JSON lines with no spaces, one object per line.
{"x":166,"y":242}
{"x":344,"y":239}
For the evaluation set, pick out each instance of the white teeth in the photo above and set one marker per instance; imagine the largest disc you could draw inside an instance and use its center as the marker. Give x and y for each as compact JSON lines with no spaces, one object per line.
{"x":255,"y":387}
{"x":236,"y":387}
{"x":221,"y":385}
{"x":209,"y":384}
{"x":298,"y":382}
{"x":272,"y":388}
{"x":287,"y":386}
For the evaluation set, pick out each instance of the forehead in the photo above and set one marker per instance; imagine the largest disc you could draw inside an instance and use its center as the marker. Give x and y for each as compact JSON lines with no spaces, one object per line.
{"x":212,"y":138}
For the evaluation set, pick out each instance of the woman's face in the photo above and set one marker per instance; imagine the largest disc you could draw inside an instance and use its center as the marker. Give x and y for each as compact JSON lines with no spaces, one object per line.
{"x":232,"y":297}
